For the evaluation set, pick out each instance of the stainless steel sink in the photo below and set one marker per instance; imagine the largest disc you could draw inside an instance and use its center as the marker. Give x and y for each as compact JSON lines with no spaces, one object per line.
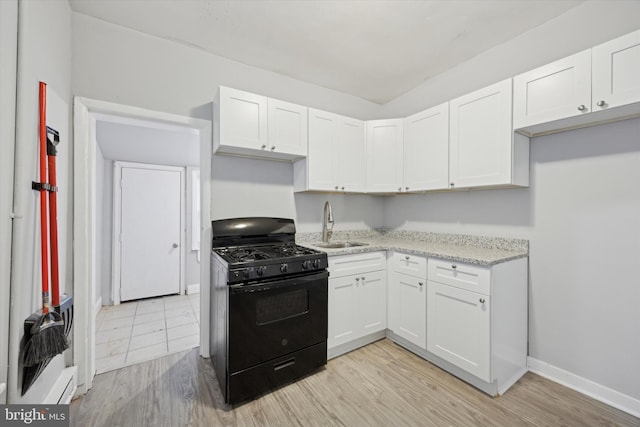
{"x":338,"y":245}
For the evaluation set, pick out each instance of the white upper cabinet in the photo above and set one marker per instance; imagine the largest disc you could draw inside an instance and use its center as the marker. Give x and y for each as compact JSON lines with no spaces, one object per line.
{"x":616,"y":72}
{"x":251,"y":125}
{"x":336,"y":157}
{"x":384,"y":155}
{"x":426,"y":150}
{"x":483,"y":150}
{"x":556,"y":91}
{"x":592,"y":87}
{"x":287,"y":127}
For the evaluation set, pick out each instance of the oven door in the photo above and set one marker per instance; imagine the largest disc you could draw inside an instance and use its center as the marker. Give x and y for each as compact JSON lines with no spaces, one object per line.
{"x":273,"y":318}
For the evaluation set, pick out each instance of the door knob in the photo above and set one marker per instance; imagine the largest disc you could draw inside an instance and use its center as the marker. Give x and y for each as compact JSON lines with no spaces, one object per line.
{"x":175,"y":245}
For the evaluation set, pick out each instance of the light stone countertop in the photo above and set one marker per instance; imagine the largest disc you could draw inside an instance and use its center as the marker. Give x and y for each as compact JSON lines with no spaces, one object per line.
{"x":478,"y":250}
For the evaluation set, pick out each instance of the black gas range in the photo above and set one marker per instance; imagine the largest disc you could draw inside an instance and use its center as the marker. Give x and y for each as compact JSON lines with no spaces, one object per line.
{"x":269,"y":306}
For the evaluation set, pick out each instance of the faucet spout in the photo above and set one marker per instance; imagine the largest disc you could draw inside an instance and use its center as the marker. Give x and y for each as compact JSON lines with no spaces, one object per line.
{"x":327,"y":218}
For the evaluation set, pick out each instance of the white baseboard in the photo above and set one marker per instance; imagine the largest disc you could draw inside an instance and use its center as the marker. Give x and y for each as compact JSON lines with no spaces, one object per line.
{"x":597,"y":391}
{"x":193,"y":289}
{"x":65,"y":387}
{"x":3,"y":388}
{"x":97,"y":306}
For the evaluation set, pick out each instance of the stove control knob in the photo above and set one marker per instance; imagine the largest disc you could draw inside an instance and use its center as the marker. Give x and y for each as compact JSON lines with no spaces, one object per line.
{"x":316,"y":263}
{"x":246,"y":273}
{"x":306,"y":264}
{"x":284,"y":268}
{"x":260,"y":270}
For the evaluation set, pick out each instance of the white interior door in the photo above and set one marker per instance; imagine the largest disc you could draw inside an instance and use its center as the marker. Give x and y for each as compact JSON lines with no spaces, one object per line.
{"x":150,"y":231}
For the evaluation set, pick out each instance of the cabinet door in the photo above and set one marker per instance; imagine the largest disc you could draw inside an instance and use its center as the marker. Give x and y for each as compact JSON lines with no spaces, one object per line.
{"x":320,"y":164}
{"x":243,"y":119}
{"x":426,"y":149}
{"x":616,"y":72}
{"x":350,"y":155}
{"x":555,"y":91}
{"x":458,"y":328}
{"x":287,"y":127}
{"x":384,"y":155}
{"x":342,"y":305}
{"x":480,"y":141}
{"x":409,"y":308}
{"x":372,"y":302}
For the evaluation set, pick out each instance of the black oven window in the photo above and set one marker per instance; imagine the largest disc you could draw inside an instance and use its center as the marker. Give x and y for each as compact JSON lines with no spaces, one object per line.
{"x":282,"y":306}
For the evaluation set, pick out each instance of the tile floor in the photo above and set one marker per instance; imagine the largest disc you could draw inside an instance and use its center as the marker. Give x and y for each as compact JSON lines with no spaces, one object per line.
{"x":138,"y":331}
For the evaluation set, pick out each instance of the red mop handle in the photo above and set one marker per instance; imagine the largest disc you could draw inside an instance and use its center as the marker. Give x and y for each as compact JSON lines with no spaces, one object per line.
{"x":43,"y":197}
{"x":53,"y":226}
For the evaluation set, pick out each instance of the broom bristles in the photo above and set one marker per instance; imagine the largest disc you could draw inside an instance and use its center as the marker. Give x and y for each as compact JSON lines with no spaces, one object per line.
{"x":46,"y":343}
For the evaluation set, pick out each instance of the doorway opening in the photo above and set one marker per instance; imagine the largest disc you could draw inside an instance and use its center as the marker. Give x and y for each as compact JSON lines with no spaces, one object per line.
{"x":120,"y":235}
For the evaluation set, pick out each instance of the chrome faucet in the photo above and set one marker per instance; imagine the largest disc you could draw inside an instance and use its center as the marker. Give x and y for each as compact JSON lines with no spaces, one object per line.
{"x":327,"y":218}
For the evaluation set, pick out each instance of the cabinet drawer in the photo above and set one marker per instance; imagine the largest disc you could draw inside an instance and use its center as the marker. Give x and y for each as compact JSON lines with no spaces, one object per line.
{"x":345,"y":265}
{"x":464,"y":276}
{"x":413,"y":265}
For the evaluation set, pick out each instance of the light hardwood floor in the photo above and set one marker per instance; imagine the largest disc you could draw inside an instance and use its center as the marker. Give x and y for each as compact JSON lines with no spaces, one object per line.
{"x":378,"y":385}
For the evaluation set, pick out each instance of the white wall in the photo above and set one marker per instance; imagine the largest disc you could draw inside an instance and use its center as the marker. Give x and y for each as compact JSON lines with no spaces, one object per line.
{"x":44,"y":54}
{"x":113,"y":63}
{"x":9,"y":48}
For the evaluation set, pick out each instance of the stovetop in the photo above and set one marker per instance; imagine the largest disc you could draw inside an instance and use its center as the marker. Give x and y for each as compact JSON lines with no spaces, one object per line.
{"x":263,"y":262}
{"x":248,"y":254}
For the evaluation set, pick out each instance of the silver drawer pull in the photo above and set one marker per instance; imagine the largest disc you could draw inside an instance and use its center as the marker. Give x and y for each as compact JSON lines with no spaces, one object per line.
{"x":420,"y":283}
{"x":357,"y":279}
{"x":406,"y":257}
{"x":454,"y":266}
{"x":481,"y":300}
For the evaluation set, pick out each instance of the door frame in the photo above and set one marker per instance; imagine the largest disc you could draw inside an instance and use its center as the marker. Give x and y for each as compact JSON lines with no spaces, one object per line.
{"x":84,"y":222}
{"x":116,"y":246}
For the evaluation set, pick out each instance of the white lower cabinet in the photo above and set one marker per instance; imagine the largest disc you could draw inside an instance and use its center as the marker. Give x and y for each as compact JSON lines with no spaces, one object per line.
{"x":408,"y":298}
{"x":459,"y":328}
{"x":477,"y":321}
{"x":357,"y":301}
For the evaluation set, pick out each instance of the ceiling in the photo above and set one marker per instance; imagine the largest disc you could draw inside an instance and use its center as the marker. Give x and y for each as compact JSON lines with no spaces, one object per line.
{"x":372,"y":49}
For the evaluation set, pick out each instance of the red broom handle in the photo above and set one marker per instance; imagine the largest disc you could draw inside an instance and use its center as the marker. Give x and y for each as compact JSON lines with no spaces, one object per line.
{"x":53,"y":230}
{"x":42,"y":107}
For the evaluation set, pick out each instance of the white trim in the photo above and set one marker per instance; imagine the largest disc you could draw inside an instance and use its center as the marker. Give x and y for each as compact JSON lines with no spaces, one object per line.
{"x":83,"y":209}
{"x":193,"y":289}
{"x":97,"y":306}
{"x":116,"y":247}
{"x":592,"y":389}
{"x":64,"y":389}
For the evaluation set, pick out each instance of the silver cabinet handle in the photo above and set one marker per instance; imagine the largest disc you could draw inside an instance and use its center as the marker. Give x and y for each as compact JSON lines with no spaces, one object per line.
{"x":342,"y":188}
{"x":273,"y":147}
{"x":454,"y":266}
{"x":357,"y":279}
{"x":264,"y":146}
{"x":406,"y":188}
{"x":337,"y":187}
{"x":451,"y":184}
{"x":406,"y":257}
{"x":582,"y":107}
{"x":399,"y":188}
{"x":481,"y":300}
{"x":362,"y":278}
{"x":420,"y":283}
{"x":175,"y":245}
{"x":601,"y":103}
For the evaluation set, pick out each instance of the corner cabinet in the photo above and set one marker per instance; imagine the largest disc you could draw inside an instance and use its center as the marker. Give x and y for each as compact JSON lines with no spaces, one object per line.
{"x":477,"y":321}
{"x":252,"y":125}
{"x":408,"y":298}
{"x":384,"y":155}
{"x":336,"y":158}
{"x":357,"y":301}
{"x":426,"y":150}
{"x":483,"y":149}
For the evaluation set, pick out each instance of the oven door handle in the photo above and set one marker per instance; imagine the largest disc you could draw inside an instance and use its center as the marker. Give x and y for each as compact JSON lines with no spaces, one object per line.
{"x":278,"y":283}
